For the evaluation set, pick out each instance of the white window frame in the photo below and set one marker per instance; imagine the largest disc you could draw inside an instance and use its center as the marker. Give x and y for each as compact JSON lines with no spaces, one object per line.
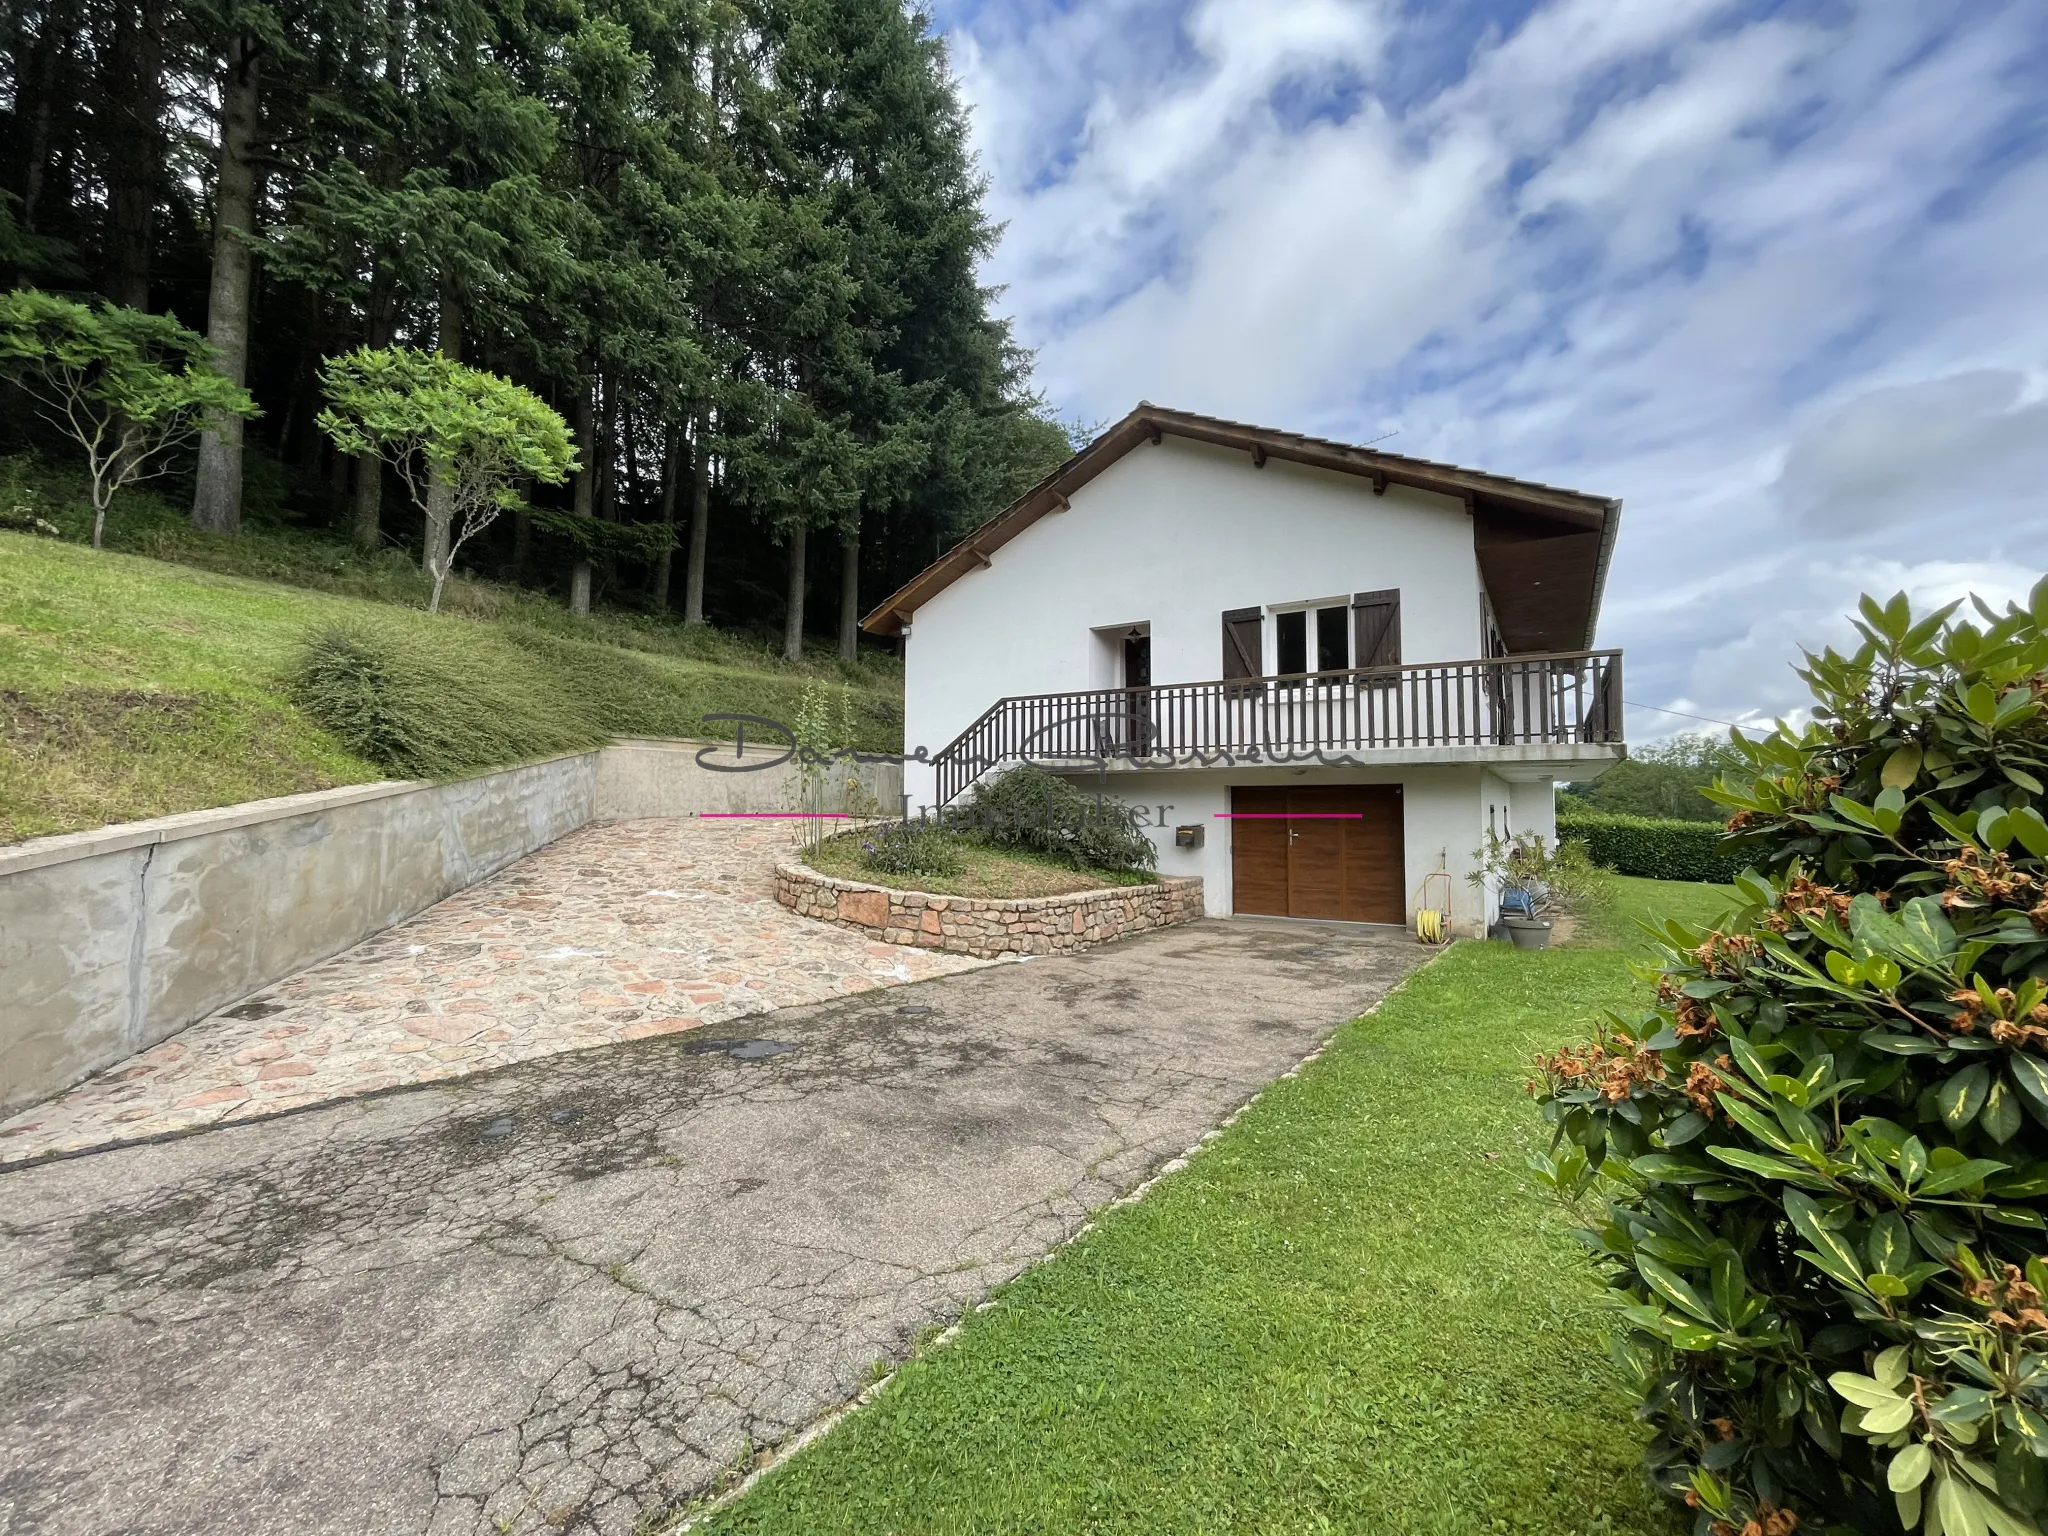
{"x":1310,"y":605}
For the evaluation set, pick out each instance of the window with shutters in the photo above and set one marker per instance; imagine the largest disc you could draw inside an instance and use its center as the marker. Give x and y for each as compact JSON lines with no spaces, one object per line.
{"x":1376,"y":623}
{"x":1243,"y":643}
{"x":1315,"y":637}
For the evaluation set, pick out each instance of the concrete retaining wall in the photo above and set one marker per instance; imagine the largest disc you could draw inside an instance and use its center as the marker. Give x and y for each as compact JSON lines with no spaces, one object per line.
{"x":637,"y":779}
{"x":972,"y":925}
{"x":113,"y":939}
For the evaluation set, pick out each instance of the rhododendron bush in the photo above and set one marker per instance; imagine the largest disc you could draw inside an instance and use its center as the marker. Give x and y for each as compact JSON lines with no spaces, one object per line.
{"x":1816,"y":1171}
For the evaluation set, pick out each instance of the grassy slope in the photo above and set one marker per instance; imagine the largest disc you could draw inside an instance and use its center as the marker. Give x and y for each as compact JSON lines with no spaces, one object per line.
{"x":130,"y":687}
{"x":1352,"y":1312}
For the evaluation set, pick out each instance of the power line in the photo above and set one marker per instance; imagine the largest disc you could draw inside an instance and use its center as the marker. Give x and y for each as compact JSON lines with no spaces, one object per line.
{"x":1709,"y":719}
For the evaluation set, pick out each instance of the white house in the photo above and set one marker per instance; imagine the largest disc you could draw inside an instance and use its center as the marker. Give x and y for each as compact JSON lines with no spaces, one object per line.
{"x":1322,"y":671}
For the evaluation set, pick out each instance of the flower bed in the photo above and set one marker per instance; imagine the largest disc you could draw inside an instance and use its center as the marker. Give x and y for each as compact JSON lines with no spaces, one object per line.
{"x":972,"y":925}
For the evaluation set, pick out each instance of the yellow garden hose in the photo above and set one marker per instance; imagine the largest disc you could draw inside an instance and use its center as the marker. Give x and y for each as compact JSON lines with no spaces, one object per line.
{"x":1433,"y":920}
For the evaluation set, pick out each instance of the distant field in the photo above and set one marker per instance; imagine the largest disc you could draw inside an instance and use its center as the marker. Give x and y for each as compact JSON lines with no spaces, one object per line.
{"x":134,"y":687}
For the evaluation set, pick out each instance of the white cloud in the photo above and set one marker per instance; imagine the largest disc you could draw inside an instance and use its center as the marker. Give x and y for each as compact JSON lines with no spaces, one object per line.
{"x":1774,"y":280}
{"x":1965,"y":448}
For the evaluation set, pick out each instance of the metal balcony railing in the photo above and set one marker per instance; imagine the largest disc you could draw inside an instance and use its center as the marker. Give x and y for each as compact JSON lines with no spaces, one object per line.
{"x":1555,"y":699}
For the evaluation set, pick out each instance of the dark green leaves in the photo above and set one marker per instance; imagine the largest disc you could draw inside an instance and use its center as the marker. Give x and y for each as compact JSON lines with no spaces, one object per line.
{"x":1963,"y":1095}
{"x":1872,"y":1178}
{"x":1830,"y":1251}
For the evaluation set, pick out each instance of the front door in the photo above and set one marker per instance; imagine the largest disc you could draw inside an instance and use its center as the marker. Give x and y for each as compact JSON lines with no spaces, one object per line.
{"x":1324,"y":850}
{"x":1136,"y":732}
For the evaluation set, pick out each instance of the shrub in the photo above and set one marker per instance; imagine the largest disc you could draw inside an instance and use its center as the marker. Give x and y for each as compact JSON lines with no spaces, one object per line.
{"x":916,"y":847}
{"x":1816,"y":1171}
{"x":1026,"y":807}
{"x":1560,"y":878}
{"x":425,"y":710}
{"x":1655,"y":848}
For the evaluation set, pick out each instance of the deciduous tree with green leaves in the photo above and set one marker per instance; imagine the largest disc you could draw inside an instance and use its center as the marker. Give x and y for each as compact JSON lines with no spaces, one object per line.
{"x":131,"y":389}
{"x":439,"y":423}
{"x":1816,"y":1171}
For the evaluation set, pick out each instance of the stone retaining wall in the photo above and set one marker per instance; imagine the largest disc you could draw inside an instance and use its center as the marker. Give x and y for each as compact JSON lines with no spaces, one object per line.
{"x":973,"y":925}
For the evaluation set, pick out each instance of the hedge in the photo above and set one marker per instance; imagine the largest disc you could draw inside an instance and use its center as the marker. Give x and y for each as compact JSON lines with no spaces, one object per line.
{"x":1653,"y":846}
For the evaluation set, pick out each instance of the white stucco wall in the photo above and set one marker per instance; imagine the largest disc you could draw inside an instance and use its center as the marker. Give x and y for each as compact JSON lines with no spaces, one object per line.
{"x":1443,"y":817}
{"x":1171,"y":536}
{"x":1535,"y":808}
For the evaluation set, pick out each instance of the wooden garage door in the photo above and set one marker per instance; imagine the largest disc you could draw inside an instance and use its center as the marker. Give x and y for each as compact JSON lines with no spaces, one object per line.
{"x":1329,"y":850}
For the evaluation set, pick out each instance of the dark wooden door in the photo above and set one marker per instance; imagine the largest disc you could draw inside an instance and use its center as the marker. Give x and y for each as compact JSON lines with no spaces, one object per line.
{"x":1137,"y":722}
{"x":1258,"y":851}
{"x":1375,"y":855}
{"x":1315,"y":855}
{"x":1138,"y":661}
{"x":1326,"y":850}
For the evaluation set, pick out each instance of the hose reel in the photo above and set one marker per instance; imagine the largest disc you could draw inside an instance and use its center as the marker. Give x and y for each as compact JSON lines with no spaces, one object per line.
{"x":1433,"y":923}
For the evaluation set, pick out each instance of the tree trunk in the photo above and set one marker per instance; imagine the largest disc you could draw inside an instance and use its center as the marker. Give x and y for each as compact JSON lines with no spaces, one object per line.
{"x":583,"y":489}
{"x":369,"y":496}
{"x":793,"y":618}
{"x":607,"y":450}
{"x":378,"y":324}
{"x":54,"y":42}
{"x":135,"y":151}
{"x":298,"y":439}
{"x":440,"y":495}
{"x":380,"y":319}
{"x":671,"y":471}
{"x":522,"y":544}
{"x":700,"y":526}
{"x":849,"y":592}
{"x":624,"y":416}
{"x":217,"y":499}
{"x":583,"y":496}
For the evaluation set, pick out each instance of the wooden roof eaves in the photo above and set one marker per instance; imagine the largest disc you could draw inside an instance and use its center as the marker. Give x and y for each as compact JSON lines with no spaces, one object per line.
{"x":1148,"y":423}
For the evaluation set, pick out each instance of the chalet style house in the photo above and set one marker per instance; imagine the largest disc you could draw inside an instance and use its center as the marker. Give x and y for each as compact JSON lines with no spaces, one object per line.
{"x":1322,"y":671}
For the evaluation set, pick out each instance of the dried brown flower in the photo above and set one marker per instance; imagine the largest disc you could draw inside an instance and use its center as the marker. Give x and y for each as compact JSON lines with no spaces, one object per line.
{"x":1975,"y":881}
{"x":2013,"y":1304}
{"x":1615,"y":1068}
{"x":1701,"y":1082}
{"x":1808,"y":898}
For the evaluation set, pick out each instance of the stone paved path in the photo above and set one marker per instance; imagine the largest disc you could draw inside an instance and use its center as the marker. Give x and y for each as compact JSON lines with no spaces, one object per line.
{"x":566,"y":1296}
{"x":616,"y":932}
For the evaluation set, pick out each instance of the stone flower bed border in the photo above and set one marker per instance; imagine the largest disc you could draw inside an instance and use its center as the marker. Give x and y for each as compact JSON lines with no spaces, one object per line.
{"x":986,"y":927}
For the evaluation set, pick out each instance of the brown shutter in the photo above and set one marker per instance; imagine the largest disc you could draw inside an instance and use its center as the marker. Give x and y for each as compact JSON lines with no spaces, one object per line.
{"x":1376,"y":621}
{"x":1242,"y":644}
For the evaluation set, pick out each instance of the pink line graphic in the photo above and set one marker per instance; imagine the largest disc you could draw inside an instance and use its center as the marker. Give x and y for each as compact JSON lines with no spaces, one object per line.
{"x":772,"y":815}
{"x":1290,"y":815}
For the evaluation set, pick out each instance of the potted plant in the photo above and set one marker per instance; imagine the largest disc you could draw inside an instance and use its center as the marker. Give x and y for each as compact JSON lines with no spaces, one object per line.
{"x":1538,"y":883}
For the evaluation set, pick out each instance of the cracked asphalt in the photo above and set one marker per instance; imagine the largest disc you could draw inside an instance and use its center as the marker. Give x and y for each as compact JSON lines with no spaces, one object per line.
{"x":572,"y":1294}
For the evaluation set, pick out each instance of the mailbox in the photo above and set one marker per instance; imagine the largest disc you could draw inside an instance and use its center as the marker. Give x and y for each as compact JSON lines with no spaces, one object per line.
{"x":1188,"y":837}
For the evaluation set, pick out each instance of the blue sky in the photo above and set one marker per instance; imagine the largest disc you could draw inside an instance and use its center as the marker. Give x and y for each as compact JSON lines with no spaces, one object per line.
{"x":1777,"y":275}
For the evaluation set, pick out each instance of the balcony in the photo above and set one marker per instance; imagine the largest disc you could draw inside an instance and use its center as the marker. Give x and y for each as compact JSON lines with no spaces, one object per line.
{"x":1555,"y":700}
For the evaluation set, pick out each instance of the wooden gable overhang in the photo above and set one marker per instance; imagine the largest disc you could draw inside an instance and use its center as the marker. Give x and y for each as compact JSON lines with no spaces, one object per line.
{"x":1543,"y":552}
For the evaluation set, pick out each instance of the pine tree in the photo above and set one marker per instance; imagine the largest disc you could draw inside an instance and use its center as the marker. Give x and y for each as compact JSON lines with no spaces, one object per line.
{"x":735,"y":242}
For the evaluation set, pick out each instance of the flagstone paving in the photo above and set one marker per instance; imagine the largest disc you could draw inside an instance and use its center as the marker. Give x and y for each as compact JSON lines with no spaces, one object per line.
{"x":617,"y":932}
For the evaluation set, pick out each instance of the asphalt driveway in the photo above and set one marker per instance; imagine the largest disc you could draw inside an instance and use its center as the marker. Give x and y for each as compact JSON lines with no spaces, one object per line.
{"x":571,"y":1293}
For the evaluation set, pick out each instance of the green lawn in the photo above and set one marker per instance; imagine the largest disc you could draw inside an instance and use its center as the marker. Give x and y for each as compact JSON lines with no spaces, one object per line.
{"x":134,"y":687}
{"x":1352,"y":1313}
